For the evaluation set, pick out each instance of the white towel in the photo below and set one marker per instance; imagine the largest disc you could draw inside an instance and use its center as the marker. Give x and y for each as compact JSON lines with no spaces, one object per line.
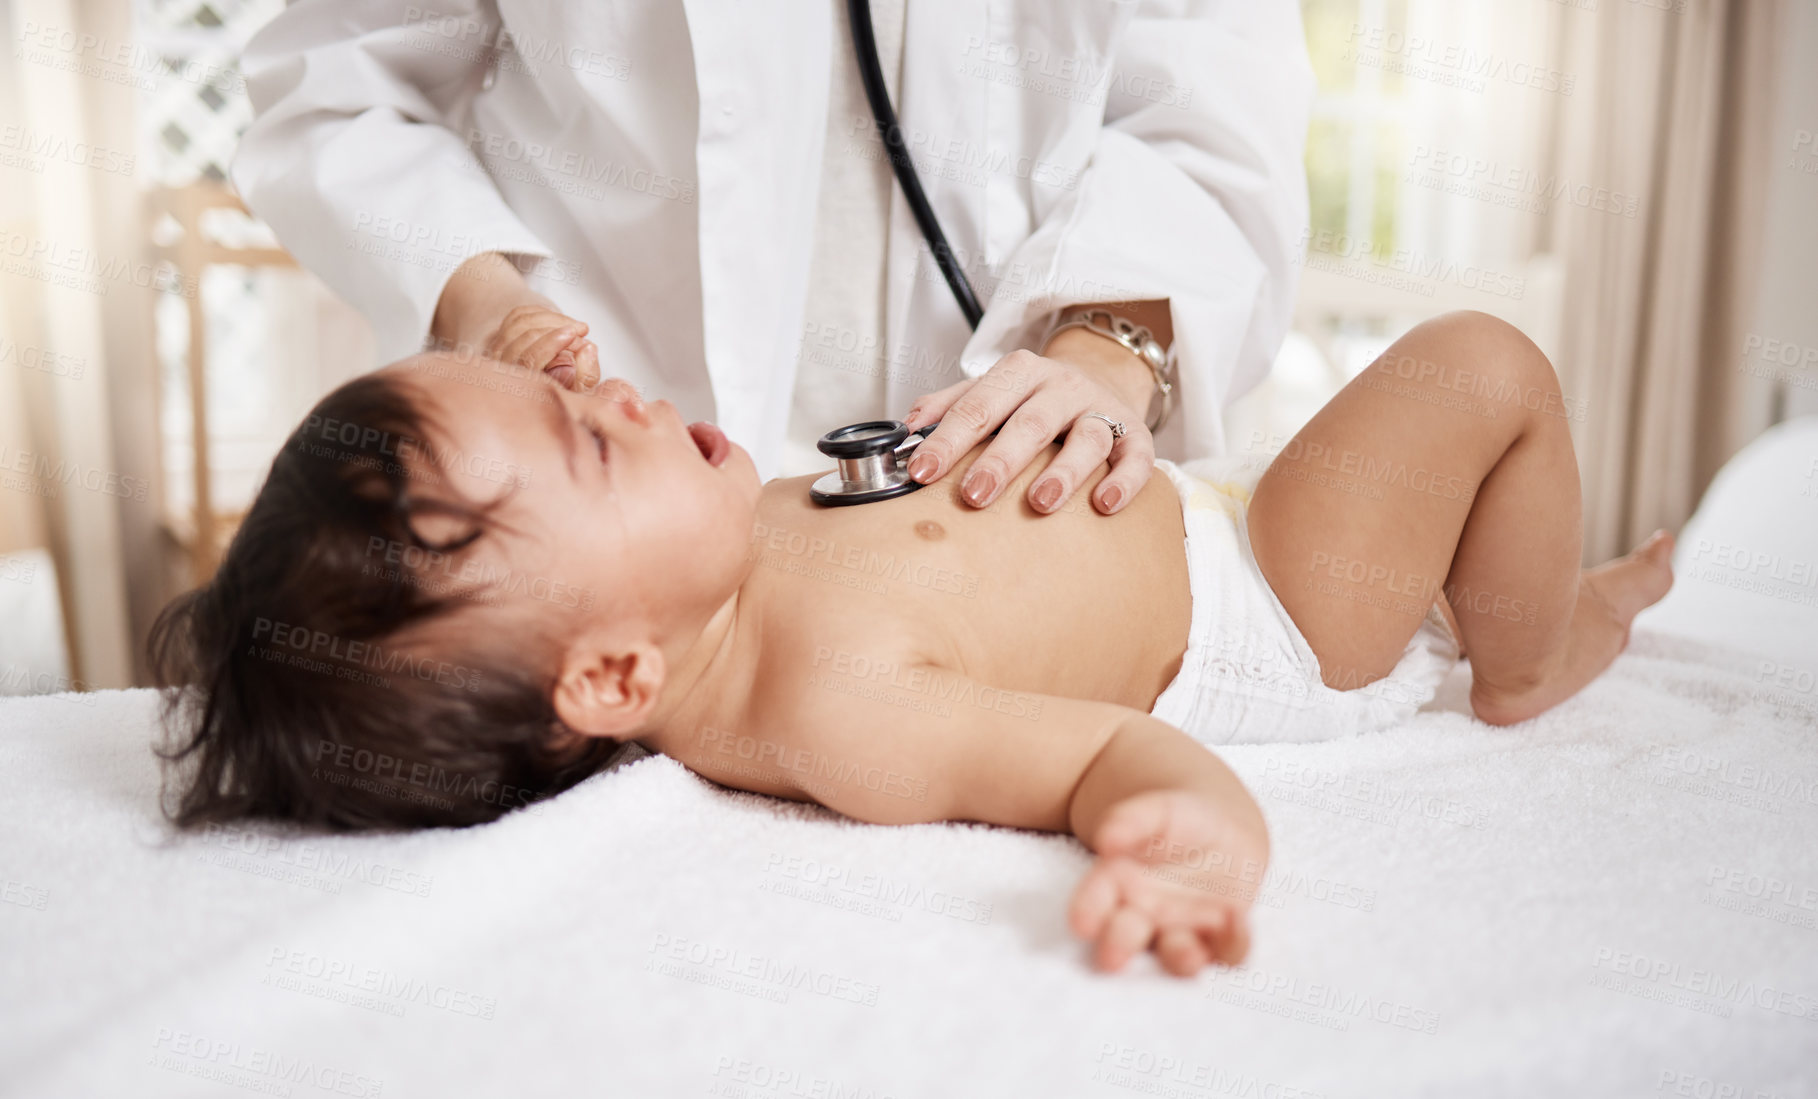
{"x":1614,"y":899}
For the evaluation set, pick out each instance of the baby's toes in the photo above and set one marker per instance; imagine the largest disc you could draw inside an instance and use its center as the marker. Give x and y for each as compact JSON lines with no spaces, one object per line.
{"x":1658,"y":547}
{"x":1658,"y":552}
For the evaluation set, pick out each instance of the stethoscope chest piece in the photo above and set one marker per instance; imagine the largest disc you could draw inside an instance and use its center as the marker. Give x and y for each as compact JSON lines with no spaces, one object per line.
{"x":873,"y":457}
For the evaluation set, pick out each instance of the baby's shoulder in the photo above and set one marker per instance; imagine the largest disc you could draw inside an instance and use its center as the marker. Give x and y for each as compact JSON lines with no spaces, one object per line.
{"x":817,"y":723}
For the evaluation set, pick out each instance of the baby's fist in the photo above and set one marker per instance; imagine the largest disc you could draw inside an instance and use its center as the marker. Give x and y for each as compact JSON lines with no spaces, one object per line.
{"x":1175,"y":874}
{"x":539,"y":337}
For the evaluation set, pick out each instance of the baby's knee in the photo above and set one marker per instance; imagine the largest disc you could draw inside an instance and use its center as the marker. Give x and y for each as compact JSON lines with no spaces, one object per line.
{"x":1507,"y":353}
{"x":1485,"y":359}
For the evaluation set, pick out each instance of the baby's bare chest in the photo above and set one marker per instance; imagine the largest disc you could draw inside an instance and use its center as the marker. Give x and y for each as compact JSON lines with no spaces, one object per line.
{"x":1070,"y":603}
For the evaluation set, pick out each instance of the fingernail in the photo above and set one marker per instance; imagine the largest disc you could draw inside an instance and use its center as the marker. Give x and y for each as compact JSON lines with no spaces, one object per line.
{"x":1047,"y":494}
{"x":923,"y":467}
{"x":979,"y":487}
{"x":1113,"y":496}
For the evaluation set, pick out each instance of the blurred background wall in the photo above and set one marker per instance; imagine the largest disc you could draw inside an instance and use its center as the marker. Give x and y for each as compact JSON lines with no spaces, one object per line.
{"x":1633,"y":182}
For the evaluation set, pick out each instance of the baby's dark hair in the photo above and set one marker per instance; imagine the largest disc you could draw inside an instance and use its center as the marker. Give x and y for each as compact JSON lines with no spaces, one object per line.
{"x":289,"y":693}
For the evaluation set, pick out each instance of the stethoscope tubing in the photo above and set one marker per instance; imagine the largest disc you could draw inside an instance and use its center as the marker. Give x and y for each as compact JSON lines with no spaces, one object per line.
{"x":864,"y":48}
{"x":869,"y":473}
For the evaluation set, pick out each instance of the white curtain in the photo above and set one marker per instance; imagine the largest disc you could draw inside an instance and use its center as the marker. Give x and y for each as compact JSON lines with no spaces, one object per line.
{"x":1679,"y":101}
{"x":53,"y":302}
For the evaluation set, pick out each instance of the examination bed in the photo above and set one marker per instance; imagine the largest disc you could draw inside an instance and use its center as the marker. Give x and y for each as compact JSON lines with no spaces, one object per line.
{"x":1618,"y":898}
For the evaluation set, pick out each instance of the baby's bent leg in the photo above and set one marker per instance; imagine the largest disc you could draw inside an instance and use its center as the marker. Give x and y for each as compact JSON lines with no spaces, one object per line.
{"x":1445,"y":468}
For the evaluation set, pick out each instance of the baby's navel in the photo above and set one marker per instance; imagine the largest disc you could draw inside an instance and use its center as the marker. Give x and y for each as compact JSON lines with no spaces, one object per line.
{"x":930,"y":530}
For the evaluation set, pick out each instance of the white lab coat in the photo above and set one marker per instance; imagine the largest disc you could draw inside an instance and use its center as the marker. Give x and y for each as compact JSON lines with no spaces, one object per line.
{"x":656,"y":166}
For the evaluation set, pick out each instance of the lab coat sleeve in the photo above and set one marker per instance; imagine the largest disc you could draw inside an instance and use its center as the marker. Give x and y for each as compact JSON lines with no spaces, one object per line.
{"x":354,"y":160}
{"x":1195,"y":192}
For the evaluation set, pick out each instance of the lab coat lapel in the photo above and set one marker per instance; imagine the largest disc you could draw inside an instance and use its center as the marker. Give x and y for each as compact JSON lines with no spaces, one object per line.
{"x":943,"y":115}
{"x":1000,"y":95}
{"x":762,"y":75}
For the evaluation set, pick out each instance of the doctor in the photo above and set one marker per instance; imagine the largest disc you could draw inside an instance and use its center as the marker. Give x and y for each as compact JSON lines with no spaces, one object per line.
{"x":693,"y":196}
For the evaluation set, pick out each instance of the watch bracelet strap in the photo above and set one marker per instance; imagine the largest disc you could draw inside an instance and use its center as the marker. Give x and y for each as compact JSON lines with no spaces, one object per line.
{"x":1133,"y":337}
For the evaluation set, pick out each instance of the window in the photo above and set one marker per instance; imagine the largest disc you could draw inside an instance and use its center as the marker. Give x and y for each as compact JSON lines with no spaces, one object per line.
{"x":1356,"y":143}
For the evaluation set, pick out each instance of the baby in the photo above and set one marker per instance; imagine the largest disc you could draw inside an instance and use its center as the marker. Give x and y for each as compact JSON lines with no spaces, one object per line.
{"x":460,"y":591}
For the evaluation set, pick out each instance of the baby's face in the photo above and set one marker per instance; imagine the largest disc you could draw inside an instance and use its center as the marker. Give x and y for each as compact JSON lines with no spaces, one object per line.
{"x":613,"y":509}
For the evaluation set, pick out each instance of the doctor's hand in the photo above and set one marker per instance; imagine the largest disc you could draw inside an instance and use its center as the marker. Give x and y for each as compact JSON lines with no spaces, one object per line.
{"x":1031,"y":400}
{"x":487,"y":307}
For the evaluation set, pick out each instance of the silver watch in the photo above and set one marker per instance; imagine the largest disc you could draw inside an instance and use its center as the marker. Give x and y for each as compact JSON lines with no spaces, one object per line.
{"x":1138,"y":339}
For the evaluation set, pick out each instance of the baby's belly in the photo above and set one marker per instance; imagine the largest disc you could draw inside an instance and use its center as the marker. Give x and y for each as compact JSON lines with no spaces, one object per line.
{"x":1073,"y":603}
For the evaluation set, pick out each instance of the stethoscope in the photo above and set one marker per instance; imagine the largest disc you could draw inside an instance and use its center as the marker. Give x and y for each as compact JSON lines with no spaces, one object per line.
{"x":873,"y":456}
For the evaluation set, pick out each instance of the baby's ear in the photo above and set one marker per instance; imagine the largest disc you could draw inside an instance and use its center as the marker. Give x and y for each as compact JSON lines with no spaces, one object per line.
{"x":609,"y":691}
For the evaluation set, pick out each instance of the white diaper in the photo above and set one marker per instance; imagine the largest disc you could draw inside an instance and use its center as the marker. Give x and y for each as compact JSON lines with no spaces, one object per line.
{"x":1248,"y":676}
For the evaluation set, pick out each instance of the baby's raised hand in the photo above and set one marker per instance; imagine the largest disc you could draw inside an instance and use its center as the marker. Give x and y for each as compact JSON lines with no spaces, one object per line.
{"x":1175,"y":874}
{"x":487,"y":307}
{"x":541,"y":338}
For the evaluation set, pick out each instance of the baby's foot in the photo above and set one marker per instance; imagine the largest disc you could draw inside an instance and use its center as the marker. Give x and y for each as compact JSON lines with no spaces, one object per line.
{"x":1628,"y":584}
{"x":1609,"y":598}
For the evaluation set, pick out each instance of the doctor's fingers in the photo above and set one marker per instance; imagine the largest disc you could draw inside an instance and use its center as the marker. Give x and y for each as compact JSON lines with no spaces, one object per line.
{"x":971,"y":409}
{"x":1132,"y":464}
{"x":930,"y":407}
{"x":1026,"y":420}
{"x":1031,"y":427}
{"x":1089,"y":442}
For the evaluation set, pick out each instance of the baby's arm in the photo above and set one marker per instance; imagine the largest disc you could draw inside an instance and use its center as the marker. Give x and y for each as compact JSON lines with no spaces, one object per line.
{"x":1181,"y":845}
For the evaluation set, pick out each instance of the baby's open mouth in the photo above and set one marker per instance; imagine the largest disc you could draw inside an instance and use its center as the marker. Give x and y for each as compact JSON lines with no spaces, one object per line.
{"x":711,"y":440}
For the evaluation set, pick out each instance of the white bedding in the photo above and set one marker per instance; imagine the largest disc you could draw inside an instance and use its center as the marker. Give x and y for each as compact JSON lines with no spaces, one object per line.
{"x":1449,"y":908}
